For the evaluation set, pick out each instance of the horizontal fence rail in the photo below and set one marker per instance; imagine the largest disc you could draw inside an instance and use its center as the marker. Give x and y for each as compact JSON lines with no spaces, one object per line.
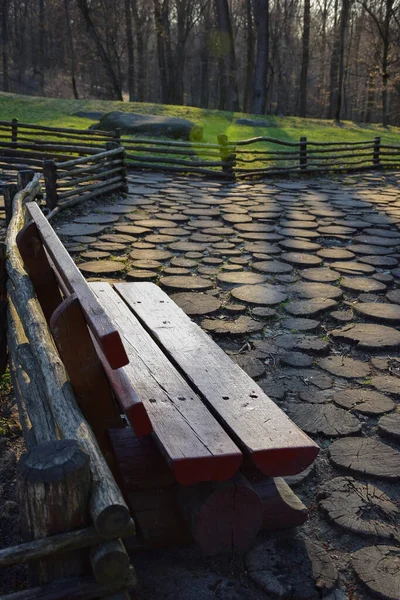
{"x":23,"y":145}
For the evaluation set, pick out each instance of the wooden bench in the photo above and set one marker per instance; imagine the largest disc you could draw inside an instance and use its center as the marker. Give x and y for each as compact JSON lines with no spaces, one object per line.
{"x":204,"y":442}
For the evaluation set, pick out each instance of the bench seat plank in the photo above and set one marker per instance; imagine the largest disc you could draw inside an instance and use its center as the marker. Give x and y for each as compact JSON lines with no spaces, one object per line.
{"x":259,"y":427}
{"x":193,"y":442}
{"x":98,"y":321}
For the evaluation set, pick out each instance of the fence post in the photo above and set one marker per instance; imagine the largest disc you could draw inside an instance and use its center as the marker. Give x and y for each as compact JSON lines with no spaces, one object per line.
{"x":225,"y":155}
{"x":14,"y":131}
{"x":303,"y":153}
{"x":117,"y":136}
{"x":9,"y":192}
{"x":377,"y":147}
{"x":53,"y":485}
{"x":50,"y":178}
{"x":24,"y":177}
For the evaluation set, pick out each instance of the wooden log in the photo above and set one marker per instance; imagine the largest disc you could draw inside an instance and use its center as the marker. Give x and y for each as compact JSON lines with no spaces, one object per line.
{"x":110,"y":562}
{"x":34,"y":153}
{"x":172,"y":169}
{"x":60,"y":129}
{"x":223,"y":516}
{"x":89,"y":177}
{"x":375,"y":158}
{"x":82,"y":588}
{"x":54,"y":544}
{"x":36,"y":419}
{"x":14,"y":131}
{"x":86,"y":169}
{"x":51,"y":147}
{"x":89,"y":196}
{"x":88,"y":188}
{"x":90,"y":159}
{"x":303,"y":153}
{"x":3,"y":309}
{"x":24,"y":177}
{"x":39,"y":270}
{"x":53,"y":487}
{"x":50,"y":178}
{"x":90,"y":384}
{"x":108,"y":509}
{"x":9,"y":192}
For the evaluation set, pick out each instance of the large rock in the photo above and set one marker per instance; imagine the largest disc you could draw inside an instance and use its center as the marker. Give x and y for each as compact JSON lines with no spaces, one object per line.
{"x":150,"y":125}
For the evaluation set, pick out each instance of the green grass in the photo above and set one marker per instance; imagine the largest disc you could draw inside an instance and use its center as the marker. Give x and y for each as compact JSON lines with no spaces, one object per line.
{"x":60,"y":113}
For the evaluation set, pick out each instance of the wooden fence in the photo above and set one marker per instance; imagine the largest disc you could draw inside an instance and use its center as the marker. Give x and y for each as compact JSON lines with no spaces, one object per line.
{"x":79,"y":179}
{"x":268,"y":156}
{"x":23,"y":145}
{"x":68,"y":497}
{"x":76,"y":164}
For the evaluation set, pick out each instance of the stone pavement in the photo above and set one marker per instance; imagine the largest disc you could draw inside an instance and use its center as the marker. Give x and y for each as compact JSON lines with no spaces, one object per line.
{"x":299,"y":282}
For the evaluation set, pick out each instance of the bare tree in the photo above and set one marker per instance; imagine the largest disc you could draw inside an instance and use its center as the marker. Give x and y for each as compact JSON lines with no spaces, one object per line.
{"x":261,"y":17}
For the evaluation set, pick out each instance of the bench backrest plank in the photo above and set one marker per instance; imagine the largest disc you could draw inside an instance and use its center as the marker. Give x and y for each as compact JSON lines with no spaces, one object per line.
{"x":259,"y":427}
{"x":193,"y":442}
{"x":98,"y":321}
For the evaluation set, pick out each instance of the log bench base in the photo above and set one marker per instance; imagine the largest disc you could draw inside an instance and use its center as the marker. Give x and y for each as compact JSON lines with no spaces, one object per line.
{"x":219,"y":516}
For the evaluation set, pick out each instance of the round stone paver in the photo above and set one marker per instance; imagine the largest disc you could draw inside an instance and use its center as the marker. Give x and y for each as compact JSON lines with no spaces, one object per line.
{"x":301,"y":259}
{"x":240,"y":326}
{"x":394,"y":296}
{"x":378,"y":569}
{"x":240,"y":278}
{"x":78,"y":229}
{"x":366,"y":457}
{"x":183,"y":282}
{"x":150,"y":254}
{"x":141,"y":275}
{"x":254,"y":367}
{"x":320,"y":275}
{"x":309,"y":308}
{"x":362,"y":284}
{"x":264,"y":295}
{"x":384,"y":313}
{"x":296,"y":359}
{"x":193,"y":303}
{"x":343,"y":366}
{"x":361,"y":508}
{"x":367,"y":402}
{"x":102,"y":267}
{"x":300,"y":245}
{"x":335,"y":254}
{"x":389,"y":426}
{"x":96,"y":219}
{"x":316,"y":290}
{"x":386,"y":383}
{"x":368,"y":336}
{"x":324,"y":419}
{"x":272,"y":266}
{"x":286,"y":566}
{"x":300,"y":324}
{"x":352,"y":267}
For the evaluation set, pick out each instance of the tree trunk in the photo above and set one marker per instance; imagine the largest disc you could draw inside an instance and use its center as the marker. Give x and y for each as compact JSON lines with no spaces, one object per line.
{"x":42,"y":34}
{"x":249,"y":58}
{"x":229,"y":95}
{"x":141,"y":74}
{"x":343,"y":24}
{"x":4,"y":44}
{"x":105,"y":59}
{"x":385,"y":54}
{"x":334,"y":66}
{"x":305,"y":59}
{"x":261,"y":17}
{"x":161,"y":18}
{"x":71,"y":49}
{"x":205,"y":58}
{"x":129,"y":46}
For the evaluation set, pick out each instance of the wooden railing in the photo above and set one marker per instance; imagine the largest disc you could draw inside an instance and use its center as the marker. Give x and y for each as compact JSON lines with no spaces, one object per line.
{"x":68,"y":497}
{"x":23,"y":145}
{"x":269,"y":156}
{"x":80,"y":179}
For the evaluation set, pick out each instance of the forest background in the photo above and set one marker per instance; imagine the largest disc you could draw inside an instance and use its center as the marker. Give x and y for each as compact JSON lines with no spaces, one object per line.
{"x":329,"y":59}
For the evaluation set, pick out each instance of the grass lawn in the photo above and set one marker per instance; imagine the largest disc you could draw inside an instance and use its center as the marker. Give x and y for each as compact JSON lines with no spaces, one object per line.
{"x":60,"y":113}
